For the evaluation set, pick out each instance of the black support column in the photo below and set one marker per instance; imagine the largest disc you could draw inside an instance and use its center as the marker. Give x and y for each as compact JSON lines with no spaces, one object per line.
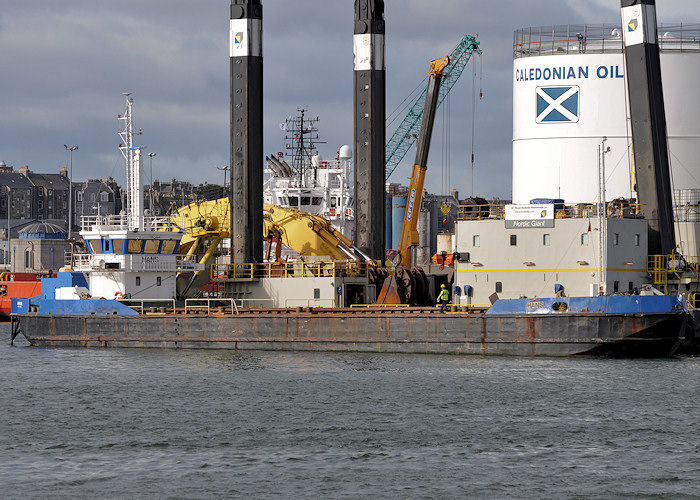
{"x":370,"y":136}
{"x":648,"y":120}
{"x":246,"y":131}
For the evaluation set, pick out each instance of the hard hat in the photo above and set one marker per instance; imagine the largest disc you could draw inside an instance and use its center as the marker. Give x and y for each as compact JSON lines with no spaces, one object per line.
{"x":442,"y":286}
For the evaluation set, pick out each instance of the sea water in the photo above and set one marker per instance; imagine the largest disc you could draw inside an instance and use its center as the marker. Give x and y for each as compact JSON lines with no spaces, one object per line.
{"x":157,"y":423}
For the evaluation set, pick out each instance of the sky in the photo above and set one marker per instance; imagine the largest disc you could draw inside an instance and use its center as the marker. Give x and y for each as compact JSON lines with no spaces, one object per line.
{"x":64,"y":66}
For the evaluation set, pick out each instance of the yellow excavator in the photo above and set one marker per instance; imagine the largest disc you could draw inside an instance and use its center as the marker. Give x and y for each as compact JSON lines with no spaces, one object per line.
{"x":208,"y":222}
{"x":397,"y":288}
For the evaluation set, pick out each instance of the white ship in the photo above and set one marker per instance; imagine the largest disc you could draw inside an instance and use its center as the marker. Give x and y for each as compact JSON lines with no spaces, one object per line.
{"x":310,"y":183}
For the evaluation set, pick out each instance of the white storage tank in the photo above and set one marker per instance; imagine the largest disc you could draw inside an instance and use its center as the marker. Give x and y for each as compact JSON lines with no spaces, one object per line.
{"x":569,"y":92}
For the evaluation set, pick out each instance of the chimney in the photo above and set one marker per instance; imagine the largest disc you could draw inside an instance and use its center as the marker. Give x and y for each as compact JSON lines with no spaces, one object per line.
{"x":24,"y":170}
{"x":63,"y":171}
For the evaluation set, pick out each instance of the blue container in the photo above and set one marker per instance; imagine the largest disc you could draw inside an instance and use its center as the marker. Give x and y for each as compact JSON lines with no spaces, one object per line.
{"x":388,"y":229}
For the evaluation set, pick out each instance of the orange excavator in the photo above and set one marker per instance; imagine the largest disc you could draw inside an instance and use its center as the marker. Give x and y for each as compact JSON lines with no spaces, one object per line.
{"x":408,"y":283}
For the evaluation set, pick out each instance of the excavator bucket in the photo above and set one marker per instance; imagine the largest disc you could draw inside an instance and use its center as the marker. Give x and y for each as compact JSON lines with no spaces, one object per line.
{"x":390,"y":292}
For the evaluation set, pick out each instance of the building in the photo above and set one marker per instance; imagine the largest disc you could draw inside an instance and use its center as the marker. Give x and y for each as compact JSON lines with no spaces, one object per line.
{"x":41,"y":246}
{"x":51,"y":193}
{"x":95,"y":197}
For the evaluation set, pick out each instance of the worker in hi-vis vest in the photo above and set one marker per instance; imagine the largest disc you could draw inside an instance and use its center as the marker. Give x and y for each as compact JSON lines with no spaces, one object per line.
{"x":443,"y":298}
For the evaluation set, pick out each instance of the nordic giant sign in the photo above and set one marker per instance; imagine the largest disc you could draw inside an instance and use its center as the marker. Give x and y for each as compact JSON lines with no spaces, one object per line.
{"x":529,"y":216}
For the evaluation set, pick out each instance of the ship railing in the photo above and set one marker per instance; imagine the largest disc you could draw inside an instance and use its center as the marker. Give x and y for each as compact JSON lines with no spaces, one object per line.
{"x":253,"y":271}
{"x":210,"y":305}
{"x":309,"y":303}
{"x":615,"y":209}
{"x":150,"y":306}
{"x":135,"y":262}
{"x":673,"y":267}
{"x":597,"y":38}
{"x":122,"y":222}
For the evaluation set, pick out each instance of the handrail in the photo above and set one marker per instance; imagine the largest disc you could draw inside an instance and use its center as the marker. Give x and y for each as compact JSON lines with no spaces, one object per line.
{"x":496,"y":211}
{"x":253,"y":271}
{"x":139,"y":304}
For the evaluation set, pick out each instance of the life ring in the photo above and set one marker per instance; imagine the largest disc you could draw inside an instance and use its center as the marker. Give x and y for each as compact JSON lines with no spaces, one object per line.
{"x":118,"y":295}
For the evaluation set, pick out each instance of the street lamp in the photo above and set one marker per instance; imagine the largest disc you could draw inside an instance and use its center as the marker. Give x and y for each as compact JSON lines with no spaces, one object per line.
{"x":150,"y":190}
{"x":70,"y":189}
{"x":225,"y":168}
{"x":9,"y":240}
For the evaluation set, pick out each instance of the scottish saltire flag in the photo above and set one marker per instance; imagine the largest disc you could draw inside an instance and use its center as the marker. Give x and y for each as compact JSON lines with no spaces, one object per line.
{"x":557,"y":104}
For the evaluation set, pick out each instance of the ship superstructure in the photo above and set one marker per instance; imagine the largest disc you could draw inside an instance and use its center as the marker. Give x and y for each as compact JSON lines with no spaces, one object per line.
{"x":131,"y":255}
{"x":310,"y":183}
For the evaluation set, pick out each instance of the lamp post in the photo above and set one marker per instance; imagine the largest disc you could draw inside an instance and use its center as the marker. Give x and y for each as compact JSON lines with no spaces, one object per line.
{"x":70,"y":189}
{"x":225,"y":168}
{"x":150,"y":190}
{"x":9,"y":244}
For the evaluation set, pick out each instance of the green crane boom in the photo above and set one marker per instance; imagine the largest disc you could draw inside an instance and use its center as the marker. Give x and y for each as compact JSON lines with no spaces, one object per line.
{"x":400,"y":142}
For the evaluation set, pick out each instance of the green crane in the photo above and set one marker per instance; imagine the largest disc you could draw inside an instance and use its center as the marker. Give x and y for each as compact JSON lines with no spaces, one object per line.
{"x":400,"y":142}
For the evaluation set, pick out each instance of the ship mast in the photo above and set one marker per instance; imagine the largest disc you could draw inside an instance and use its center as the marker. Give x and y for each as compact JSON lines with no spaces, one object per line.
{"x":134,"y":179}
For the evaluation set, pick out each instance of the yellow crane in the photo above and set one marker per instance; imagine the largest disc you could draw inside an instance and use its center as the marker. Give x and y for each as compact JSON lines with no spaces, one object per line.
{"x":409,"y":233}
{"x":208,"y":222}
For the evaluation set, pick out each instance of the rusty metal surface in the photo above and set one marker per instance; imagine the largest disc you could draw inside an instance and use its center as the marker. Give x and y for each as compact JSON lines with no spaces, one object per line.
{"x":412,"y":330}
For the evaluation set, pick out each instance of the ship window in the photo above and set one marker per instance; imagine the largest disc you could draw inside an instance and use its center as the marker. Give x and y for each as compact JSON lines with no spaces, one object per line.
{"x":513,"y":240}
{"x":118,"y":246}
{"x":158,"y":281}
{"x":94,"y":246}
{"x":135,"y":246}
{"x":108,"y":246}
{"x":616,"y":239}
{"x":333,"y":201}
{"x":636,"y":240}
{"x":584,"y":239}
{"x":293,"y":201}
{"x":151,"y":246}
{"x":630,"y":286}
{"x":476,"y":240}
{"x":168,"y":247}
{"x":546,"y":240}
{"x":316,"y":200}
{"x":305,"y":201}
{"x":616,"y":286}
{"x":499,"y":287}
{"x":317,"y":293}
{"x":138,"y":280}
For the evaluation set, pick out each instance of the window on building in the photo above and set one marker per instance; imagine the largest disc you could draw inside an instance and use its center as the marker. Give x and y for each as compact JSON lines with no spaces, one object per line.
{"x":50,"y":192}
{"x":546,"y":240}
{"x":499,"y":287}
{"x":104,"y":196}
{"x":476,"y":240}
{"x":41,"y":191}
{"x":27,"y":259}
{"x":64,"y":204}
{"x":79,"y":196}
{"x":636,"y":240}
{"x":50,"y":204}
{"x":513,"y":240}
{"x":40,"y":204}
{"x":616,"y":239}
{"x":92,"y":197}
{"x":584,"y":239}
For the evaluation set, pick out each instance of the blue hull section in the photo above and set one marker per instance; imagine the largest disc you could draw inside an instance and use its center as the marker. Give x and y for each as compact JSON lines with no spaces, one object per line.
{"x":612,"y":304}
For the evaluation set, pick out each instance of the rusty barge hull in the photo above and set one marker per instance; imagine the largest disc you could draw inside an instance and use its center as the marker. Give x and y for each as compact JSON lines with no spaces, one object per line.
{"x":634,"y":335}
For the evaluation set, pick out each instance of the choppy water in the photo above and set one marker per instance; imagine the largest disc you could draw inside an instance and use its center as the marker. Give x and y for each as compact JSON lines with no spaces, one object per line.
{"x":216,"y":424}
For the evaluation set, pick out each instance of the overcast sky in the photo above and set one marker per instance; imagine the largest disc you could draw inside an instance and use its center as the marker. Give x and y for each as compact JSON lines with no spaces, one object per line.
{"x":64,"y":65}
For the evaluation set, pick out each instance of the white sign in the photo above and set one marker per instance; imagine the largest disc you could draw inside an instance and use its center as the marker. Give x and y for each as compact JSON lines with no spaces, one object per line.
{"x":246,"y":37}
{"x":529,"y":216}
{"x":368,"y":51}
